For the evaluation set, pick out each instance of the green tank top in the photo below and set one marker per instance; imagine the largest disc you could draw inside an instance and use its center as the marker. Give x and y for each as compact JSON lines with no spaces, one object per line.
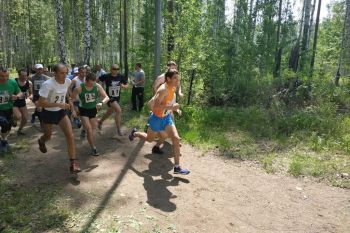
{"x":88,"y":99}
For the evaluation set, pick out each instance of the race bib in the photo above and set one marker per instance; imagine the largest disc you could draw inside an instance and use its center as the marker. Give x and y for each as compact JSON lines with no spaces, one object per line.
{"x":114,"y":91}
{"x":58,"y":98}
{"x":38,"y":84}
{"x":4,"y":99}
{"x":90,"y":97}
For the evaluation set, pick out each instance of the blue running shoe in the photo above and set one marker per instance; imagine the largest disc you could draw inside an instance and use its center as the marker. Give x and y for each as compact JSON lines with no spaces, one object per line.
{"x":181,"y":171}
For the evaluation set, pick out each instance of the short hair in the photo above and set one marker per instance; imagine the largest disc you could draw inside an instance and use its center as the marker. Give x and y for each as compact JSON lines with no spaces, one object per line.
{"x":171,"y":63}
{"x":170,"y":73}
{"x":81,"y":68}
{"x":56,"y":67}
{"x":22,"y":70}
{"x":139,"y":64}
{"x":115,"y":66}
{"x":90,"y":76}
{"x":3,"y":69}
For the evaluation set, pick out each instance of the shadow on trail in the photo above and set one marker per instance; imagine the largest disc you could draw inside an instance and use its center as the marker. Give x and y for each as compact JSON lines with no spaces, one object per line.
{"x":113,"y":188}
{"x":158,"y":195}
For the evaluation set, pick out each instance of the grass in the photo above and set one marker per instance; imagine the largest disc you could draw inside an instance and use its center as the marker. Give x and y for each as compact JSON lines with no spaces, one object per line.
{"x":24,"y":209}
{"x":294,"y":145}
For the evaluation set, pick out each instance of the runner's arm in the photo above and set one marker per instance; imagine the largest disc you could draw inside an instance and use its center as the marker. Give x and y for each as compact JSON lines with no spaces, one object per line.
{"x":70,"y":88}
{"x":17,"y":93}
{"x":180,"y":90}
{"x":30,"y":90}
{"x":75,"y":93}
{"x":44,"y":103}
{"x":124,"y":82}
{"x":102,"y":94}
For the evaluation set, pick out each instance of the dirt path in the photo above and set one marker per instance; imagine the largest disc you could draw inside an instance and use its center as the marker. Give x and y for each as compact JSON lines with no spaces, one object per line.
{"x":130,"y":189}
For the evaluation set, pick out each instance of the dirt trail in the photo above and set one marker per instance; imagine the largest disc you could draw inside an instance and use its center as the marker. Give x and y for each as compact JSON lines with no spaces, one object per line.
{"x":130,"y":189}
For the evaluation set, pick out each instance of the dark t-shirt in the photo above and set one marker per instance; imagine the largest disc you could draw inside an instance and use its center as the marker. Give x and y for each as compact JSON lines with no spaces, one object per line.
{"x":113,"y":84}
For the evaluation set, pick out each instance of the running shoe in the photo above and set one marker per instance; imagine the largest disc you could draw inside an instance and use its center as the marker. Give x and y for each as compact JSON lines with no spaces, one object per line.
{"x":132,"y":136}
{"x":95,"y":152}
{"x":181,"y":171}
{"x":74,"y":167}
{"x":33,"y":119}
{"x":42,"y":146}
{"x":99,"y":125}
{"x":83,"y":133}
{"x":5,"y":147}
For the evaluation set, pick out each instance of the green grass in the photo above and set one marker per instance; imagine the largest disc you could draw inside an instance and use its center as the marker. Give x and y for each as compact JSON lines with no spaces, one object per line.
{"x":310,"y":142}
{"x":24,"y":209}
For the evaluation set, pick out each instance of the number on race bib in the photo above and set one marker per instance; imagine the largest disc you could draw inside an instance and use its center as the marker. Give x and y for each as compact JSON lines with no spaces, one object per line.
{"x":90,"y":97}
{"x":38,"y":84}
{"x":114,"y":91}
{"x":59,"y":99}
{"x":4,"y":99}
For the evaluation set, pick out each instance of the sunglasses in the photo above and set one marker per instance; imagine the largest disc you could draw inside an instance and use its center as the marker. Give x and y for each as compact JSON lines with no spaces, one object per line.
{"x":115,"y":68}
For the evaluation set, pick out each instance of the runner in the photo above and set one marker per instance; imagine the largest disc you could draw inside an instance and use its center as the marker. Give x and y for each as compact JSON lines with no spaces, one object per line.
{"x":76,"y":81}
{"x":19,"y":106}
{"x":156,"y":84}
{"x":88,"y":93}
{"x":114,"y":82}
{"x":53,"y":99}
{"x":160,"y":122}
{"x":37,"y":79}
{"x":9,"y":91}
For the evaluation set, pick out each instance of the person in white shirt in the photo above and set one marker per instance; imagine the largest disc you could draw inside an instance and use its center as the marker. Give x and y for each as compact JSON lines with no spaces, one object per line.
{"x":99,"y":71}
{"x":53,"y":101}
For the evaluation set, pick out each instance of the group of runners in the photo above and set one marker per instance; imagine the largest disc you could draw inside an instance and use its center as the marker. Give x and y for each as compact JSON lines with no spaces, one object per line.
{"x":61,"y":100}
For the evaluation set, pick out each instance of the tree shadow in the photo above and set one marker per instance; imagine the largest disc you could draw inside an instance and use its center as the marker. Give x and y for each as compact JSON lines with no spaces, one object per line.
{"x":113,"y":188}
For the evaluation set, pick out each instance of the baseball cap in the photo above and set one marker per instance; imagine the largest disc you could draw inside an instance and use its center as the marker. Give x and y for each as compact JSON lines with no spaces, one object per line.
{"x":38,"y":66}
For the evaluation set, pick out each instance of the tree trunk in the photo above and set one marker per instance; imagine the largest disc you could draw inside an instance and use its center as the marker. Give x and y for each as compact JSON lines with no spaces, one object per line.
{"x":348,"y":26}
{"x":278,"y":53}
{"x":315,"y":38}
{"x":126,"y":67}
{"x":120,"y":34}
{"x":75,"y":34}
{"x":311,"y":28}
{"x":60,"y":32}
{"x":170,"y":28}
{"x":304,"y":45}
{"x":295,"y":52}
{"x":344,"y":37}
{"x":87,"y":32}
{"x":29,"y":43}
{"x":157,"y":38}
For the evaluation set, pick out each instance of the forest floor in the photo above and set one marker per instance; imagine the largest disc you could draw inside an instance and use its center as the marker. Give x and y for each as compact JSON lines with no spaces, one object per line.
{"x":129,"y":189}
